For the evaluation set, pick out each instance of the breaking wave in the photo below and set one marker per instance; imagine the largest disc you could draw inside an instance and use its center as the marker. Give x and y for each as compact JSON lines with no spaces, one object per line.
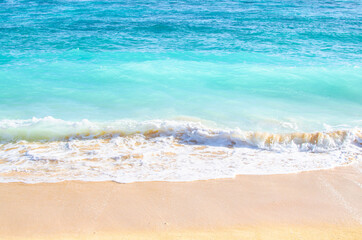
{"x":49,"y":149}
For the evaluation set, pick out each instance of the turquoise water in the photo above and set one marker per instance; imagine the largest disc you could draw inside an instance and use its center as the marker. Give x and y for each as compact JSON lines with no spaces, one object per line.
{"x":250,"y":66}
{"x":237,"y":63}
{"x":250,"y":91}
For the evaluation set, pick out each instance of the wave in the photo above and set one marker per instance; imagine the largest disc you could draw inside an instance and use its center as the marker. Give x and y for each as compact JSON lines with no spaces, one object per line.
{"x":193,"y":132}
{"x":49,"y":149}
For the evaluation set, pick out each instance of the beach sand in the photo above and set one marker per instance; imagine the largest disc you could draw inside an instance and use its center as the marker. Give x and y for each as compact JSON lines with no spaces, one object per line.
{"x":325,"y":204}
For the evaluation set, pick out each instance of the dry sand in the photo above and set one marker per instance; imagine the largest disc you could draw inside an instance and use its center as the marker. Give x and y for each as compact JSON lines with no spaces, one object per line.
{"x":324,"y":204}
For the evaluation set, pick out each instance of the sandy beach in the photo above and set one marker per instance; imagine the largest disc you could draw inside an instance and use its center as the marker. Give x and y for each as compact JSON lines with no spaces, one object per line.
{"x":180,"y":120}
{"x":325,"y":204}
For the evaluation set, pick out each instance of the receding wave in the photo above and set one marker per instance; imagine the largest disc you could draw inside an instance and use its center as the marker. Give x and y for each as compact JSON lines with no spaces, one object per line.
{"x":48,"y":150}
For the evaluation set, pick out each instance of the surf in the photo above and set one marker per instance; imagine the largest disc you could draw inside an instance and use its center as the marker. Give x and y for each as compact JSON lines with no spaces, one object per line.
{"x":49,"y":149}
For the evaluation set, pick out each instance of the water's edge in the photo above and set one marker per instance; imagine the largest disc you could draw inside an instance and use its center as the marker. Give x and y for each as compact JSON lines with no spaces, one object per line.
{"x":52,"y":150}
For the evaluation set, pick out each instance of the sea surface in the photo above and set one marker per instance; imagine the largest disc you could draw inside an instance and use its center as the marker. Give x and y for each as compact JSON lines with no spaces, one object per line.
{"x":178,"y":90}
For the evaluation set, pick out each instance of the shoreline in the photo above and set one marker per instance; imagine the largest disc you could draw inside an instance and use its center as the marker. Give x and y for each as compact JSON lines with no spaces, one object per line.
{"x":321,"y":204}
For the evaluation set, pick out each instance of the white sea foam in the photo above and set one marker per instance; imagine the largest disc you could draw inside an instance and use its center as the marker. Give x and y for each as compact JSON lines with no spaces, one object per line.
{"x":50,"y":150}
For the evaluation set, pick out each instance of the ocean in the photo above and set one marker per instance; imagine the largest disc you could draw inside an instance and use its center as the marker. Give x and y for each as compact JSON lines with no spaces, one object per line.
{"x":167,"y":90}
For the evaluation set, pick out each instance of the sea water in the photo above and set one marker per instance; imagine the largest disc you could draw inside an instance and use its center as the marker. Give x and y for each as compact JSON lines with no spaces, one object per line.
{"x":177,"y":90}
